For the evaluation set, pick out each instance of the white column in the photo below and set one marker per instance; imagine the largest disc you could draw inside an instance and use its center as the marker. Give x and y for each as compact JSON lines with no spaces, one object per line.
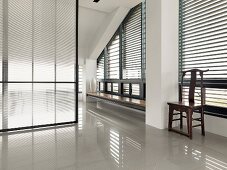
{"x":90,"y":77}
{"x":162,"y":60}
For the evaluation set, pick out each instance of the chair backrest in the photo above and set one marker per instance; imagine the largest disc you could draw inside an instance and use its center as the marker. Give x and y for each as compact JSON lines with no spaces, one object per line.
{"x":192,"y":85}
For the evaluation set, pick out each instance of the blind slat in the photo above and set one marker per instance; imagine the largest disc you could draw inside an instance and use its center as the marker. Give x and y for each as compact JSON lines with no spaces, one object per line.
{"x":202,"y":45}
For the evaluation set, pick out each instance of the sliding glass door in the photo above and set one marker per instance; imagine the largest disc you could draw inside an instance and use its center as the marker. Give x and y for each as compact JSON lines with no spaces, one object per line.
{"x":38,"y":63}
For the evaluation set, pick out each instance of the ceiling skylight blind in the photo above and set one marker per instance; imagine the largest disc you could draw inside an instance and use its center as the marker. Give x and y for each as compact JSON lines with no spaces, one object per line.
{"x":203,"y":44}
{"x":112,"y":59}
{"x":132,"y":44}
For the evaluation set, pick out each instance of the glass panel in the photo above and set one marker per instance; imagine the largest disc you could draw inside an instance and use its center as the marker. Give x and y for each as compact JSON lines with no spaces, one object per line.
{"x":65,"y":40}
{"x":1,"y":106}
{"x":65,"y":103}
{"x":19,"y":105}
{"x":41,"y":47}
{"x":126,"y":88}
{"x":44,"y":104}
{"x":1,"y":37}
{"x":101,"y":86}
{"x":113,"y":58}
{"x":44,"y":40}
{"x":100,"y":66}
{"x":20,"y":40}
{"x":136,"y":89}
{"x":115,"y":87}
{"x":109,"y":87}
{"x":132,"y":40}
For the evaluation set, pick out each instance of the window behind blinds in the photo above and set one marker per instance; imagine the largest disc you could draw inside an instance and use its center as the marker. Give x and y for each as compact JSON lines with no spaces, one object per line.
{"x":1,"y":38}
{"x":112,"y":59}
{"x":144,"y":40}
{"x":203,"y":45}
{"x":100,"y":66}
{"x":38,"y":44}
{"x":123,"y":61}
{"x":135,"y":89}
{"x":132,"y":44}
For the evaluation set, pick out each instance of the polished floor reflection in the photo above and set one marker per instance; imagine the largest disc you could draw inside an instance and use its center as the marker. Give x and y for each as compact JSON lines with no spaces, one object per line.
{"x":108,"y":138}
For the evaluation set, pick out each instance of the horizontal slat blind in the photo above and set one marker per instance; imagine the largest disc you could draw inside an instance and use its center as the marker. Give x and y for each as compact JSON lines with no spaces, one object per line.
{"x":20,"y":40}
{"x":144,"y":40}
{"x":109,"y":87}
{"x":132,"y":44}
{"x":1,"y":38}
{"x":203,"y":44}
{"x":80,"y":82}
{"x":112,"y":60}
{"x":126,"y":89}
{"x":38,"y":44}
{"x":115,"y":87}
{"x":123,"y":60}
{"x":100,"y":67}
{"x":135,"y":89}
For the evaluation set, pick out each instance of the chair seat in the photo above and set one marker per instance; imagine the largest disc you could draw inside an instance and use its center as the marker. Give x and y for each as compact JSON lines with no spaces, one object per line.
{"x":186,"y":105}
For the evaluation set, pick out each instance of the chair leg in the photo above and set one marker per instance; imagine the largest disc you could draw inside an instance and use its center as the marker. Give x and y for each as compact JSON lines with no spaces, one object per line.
{"x":189,"y":122}
{"x":170,"y":118}
{"x":202,"y":122}
{"x":181,"y":120}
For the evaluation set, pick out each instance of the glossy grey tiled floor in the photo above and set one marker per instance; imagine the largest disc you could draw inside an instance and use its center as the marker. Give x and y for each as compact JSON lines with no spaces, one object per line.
{"x":109,"y":138}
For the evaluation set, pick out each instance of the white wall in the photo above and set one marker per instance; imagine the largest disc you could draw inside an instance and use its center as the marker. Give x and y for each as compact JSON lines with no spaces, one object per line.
{"x":90,"y":22}
{"x":106,"y":31}
{"x":162,"y":60}
{"x":89,"y":76}
{"x":216,"y":125}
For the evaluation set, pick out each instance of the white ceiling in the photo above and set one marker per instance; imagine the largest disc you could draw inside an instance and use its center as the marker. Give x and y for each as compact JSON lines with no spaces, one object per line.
{"x":92,"y":17}
{"x":89,"y":23}
{"x":108,"y":6}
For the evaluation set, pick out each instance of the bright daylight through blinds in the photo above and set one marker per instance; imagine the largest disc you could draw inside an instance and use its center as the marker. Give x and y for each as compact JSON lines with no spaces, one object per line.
{"x":203,"y":44}
{"x":39,"y":53}
{"x":132,"y":48}
{"x":112,"y":60}
{"x":122,"y":63}
{"x":100,"y":67}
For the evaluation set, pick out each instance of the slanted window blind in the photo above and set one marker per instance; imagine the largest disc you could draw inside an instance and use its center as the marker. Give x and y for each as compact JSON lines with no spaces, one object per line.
{"x":203,"y":45}
{"x":123,"y":60}
{"x":132,"y":44}
{"x":112,"y":59}
{"x":100,"y":67}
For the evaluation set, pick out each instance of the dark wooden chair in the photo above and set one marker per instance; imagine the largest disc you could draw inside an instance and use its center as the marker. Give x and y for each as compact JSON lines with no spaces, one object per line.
{"x":190,"y":106}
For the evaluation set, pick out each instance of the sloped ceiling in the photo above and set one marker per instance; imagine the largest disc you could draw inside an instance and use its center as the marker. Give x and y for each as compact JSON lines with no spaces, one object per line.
{"x":108,"y":6}
{"x":93,"y":17}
